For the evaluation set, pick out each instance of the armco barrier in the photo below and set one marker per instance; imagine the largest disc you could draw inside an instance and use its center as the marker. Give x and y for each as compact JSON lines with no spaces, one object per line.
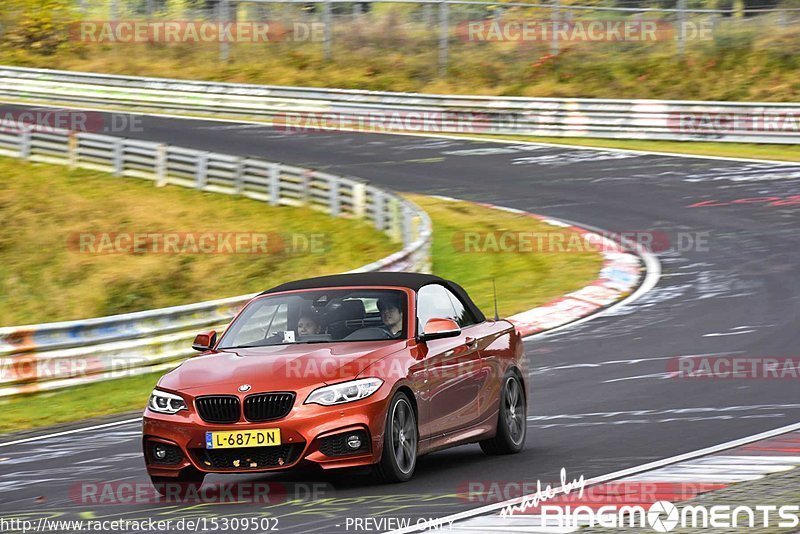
{"x":601,"y":118}
{"x":56,"y":355}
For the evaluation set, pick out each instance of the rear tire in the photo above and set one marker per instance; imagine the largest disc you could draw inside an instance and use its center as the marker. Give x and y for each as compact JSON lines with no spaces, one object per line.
{"x":511,"y":420}
{"x":400,"y":442}
{"x":188,"y":481}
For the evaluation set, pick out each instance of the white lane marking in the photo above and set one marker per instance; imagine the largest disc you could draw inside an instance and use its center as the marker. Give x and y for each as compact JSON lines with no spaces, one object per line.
{"x":556,"y":222}
{"x":699,"y":419}
{"x":752,"y":460}
{"x":710,"y":469}
{"x":690,"y":473}
{"x":66,"y":432}
{"x":509,"y":524}
{"x":718,"y":334}
{"x":728,"y":470}
{"x":511,"y":210}
{"x":725,"y":479}
{"x":428,"y":135}
{"x":660,"y":376}
{"x":631,"y":361}
{"x":668,"y":411}
{"x":629,"y":472}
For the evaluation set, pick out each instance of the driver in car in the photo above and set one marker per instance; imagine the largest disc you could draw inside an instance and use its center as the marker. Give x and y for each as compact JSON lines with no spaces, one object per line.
{"x":391,"y":315}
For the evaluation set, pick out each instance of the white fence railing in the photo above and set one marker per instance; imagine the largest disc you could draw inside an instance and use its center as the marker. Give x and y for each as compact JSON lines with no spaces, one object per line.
{"x":303,"y":109}
{"x":55,"y":355}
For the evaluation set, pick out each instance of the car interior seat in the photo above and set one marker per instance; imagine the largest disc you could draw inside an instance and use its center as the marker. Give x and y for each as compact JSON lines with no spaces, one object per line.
{"x":350,"y":310}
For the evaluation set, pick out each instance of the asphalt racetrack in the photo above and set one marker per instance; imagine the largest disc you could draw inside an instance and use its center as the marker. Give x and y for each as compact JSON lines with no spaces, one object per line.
{"x":600,"y":399}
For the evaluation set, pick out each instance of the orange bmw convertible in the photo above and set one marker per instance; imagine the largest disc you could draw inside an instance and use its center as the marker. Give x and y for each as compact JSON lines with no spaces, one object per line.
{"x":353,"y":370}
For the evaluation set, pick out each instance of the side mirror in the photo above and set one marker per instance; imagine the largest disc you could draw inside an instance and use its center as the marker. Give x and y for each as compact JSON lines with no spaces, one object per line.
{"x":440,"y":328}
{"x":205,"y":340}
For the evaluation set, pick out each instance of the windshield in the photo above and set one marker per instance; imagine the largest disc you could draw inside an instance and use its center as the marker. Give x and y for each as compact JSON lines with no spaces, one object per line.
{"x":320,"y":316}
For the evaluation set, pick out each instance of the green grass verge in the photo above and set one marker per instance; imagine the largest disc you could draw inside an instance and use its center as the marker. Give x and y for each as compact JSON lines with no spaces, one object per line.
{"x":523,"y":281}
{"x":63,"y":406}
{"x":45,"y":277}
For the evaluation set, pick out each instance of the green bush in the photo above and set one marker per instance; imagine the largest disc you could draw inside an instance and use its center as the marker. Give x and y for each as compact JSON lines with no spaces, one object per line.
{"x":39,"y":26}
{"x":752,"y":58}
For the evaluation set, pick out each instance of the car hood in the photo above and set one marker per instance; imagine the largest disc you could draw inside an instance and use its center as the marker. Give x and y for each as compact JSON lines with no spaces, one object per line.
{"x":276,"y":368}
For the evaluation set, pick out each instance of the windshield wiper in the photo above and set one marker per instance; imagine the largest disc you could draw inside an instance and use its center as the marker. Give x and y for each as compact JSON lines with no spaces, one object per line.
{"x":245,"y":347}
{"x":252,"y":346}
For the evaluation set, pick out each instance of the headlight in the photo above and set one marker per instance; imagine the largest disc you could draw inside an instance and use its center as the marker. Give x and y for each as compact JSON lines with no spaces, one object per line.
{"x":163,"y":402}
{"x":344,"y":392}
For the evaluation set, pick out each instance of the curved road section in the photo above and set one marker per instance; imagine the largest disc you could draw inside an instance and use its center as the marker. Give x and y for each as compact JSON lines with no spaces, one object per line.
{"x":604,"y":394}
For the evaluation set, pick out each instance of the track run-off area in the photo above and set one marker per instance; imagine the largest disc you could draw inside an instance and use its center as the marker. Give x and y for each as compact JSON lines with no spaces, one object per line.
{"x":603,"y":395}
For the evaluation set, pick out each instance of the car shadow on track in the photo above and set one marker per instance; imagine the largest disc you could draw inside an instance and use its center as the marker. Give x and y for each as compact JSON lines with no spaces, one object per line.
{"x":457,"y":465}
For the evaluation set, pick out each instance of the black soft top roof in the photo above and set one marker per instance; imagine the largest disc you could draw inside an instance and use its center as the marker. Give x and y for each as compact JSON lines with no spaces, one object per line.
{"x":410,"y":280}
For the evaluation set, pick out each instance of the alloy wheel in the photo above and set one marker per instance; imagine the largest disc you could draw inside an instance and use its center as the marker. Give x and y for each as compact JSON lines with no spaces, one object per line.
{"x":404,"y":436}
{"x":515,"y":410}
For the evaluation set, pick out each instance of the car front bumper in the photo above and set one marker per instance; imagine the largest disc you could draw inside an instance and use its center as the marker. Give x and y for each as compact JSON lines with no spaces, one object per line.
{"x":307,"y":435}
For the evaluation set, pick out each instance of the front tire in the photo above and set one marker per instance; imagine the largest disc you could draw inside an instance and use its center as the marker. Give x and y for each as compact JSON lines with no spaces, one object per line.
{"x":400,"y":442}
{"x":189,"y":480}
{"x":511,"y":421}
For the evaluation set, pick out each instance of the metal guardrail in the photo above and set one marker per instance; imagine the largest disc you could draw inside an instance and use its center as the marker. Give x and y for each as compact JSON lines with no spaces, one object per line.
{"x":56,"y":355}
{"x":757,"y":122}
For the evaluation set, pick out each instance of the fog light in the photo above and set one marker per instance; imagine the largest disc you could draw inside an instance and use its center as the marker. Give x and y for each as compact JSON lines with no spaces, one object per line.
{"x":163,"y":453}
{"x":345,"y":443}
{"x":354,"y":441}
{"x":159,"y":452}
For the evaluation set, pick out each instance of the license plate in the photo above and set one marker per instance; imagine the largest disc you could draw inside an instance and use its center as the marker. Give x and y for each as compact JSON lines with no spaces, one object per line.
{"x":243,"y":438}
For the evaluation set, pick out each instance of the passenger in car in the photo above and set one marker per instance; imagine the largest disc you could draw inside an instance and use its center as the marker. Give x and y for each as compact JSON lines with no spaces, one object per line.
{"x":308,"y":325}
{"x":392,"y":315}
